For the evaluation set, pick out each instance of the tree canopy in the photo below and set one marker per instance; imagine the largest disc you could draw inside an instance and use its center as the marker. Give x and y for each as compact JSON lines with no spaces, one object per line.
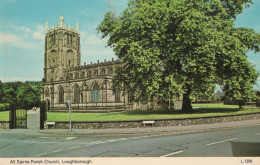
{"x":28,"y":97}
{"x":1,"y":91}
{"x":21,"y":95}
{"x":181,"y":48}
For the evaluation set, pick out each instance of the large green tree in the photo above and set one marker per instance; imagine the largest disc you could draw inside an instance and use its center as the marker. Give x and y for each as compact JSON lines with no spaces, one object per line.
{"x":181,"y":48}
{"x":28,"y":97}
{"x":10,"y":97}
{"x":1,"y":91}
{"x":21,"y":94}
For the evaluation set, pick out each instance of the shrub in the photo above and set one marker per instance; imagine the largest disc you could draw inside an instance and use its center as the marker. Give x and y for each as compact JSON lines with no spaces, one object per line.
{"x":4,"y":106}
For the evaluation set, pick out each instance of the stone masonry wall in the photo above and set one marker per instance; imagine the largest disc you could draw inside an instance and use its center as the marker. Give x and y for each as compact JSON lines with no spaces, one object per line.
{"x":4,"y":124}
{"x":158,"y":123}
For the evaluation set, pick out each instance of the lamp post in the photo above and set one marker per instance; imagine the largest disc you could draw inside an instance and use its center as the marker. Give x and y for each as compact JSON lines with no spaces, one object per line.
{"x":68,"y":103}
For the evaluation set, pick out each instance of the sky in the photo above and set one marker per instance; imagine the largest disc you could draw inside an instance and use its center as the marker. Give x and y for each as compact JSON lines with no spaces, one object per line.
{"x":22,"y":32}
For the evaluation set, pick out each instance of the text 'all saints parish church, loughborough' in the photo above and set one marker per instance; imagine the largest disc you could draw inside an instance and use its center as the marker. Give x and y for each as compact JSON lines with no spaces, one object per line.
{"x":87,"y":86}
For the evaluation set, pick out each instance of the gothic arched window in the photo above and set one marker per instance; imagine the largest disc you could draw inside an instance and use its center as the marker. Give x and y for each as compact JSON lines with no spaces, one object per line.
{"x":95,"y":94}
{"x":82,"y":74}
{"x":96,"y":72}
{"x":61,"y":95}
{"x":89,"y":74}
{"x":110,"y":71}
{"x":71,"y":39}
{"x":76,"y":75}
{"x":67,"y":39}
{"x":76,"y":92}
{"x":103,"y":72}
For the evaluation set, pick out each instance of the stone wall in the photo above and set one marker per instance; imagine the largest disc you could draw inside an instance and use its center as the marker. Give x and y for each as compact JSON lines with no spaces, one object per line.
{"x":158,"y":123}
{"x":4,"y":124}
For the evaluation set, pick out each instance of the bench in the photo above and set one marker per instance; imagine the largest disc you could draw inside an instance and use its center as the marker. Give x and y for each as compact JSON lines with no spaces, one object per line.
{"x":148,"y":122}
{"x":50,"y":123}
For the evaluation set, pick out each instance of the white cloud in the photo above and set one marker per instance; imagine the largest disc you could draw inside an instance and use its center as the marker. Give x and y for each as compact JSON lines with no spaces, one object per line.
{"x":39,"y":33}
{"x":93,"y":40}
{"x":26,"y":36}
{"x":93,"y":48}
{"x":16,"y":41}
{"x":111,"y":5}
{"x":21,"y":28}
{"x":23,"y":37}
{"x":93,"y":53}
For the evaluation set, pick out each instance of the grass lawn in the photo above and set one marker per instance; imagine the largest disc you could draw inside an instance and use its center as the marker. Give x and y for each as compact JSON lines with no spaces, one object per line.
{"x":200,"y":110}
{"x":4,"y":116}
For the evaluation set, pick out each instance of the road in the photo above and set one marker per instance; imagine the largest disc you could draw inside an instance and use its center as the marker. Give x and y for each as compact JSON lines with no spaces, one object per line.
{"x":241,"y":141}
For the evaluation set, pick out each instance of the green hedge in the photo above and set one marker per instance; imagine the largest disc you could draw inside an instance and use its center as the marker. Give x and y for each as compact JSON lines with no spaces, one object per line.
{"x":4,"y":106}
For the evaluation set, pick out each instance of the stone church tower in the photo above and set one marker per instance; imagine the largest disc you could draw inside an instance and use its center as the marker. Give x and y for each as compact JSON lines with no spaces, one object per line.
{"x":62,"y":51}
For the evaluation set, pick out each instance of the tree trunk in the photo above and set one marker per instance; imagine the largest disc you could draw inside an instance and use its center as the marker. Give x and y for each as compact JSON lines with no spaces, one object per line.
{"x":240,"y":103}
{"x":186,"y":104}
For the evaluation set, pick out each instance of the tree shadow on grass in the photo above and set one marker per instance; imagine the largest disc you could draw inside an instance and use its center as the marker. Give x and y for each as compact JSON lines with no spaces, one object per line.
{"x":177,"y":112}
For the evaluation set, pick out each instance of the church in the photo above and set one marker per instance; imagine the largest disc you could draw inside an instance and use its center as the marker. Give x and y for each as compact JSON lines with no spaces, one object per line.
{"x":87,"y":86}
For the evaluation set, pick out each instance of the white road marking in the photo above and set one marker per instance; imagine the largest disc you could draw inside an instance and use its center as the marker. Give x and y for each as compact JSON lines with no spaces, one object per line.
{"x":73,"y":147}
{"x":101,"y":142}
{"x":57,"y":151}
{"x":177,"y":152}
{"x":97,"y":142}
{"x":257,"y":134}
{"x":41,"y":154}
{"x":221,"y":141}
{"x":69,"y":138}
{"x":111,"y":140}
{"x":124,"y":139}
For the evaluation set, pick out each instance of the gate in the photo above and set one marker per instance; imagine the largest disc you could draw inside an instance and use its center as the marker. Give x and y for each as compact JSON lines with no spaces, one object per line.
{"x":18,"y":118}
{"x":43,"y":113}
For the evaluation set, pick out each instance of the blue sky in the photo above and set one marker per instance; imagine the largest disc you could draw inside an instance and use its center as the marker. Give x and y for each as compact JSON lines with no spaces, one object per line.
{"x":22,"y":30}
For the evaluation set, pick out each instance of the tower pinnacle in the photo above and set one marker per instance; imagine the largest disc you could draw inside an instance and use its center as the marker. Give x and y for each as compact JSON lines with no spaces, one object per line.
{"x":47,"y":26}
{"x":61,"y":20}
{"x":77,"y":25}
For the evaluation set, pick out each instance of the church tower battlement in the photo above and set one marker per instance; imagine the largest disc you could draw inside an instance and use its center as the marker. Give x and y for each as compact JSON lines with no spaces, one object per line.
{"x":62,"y":50}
